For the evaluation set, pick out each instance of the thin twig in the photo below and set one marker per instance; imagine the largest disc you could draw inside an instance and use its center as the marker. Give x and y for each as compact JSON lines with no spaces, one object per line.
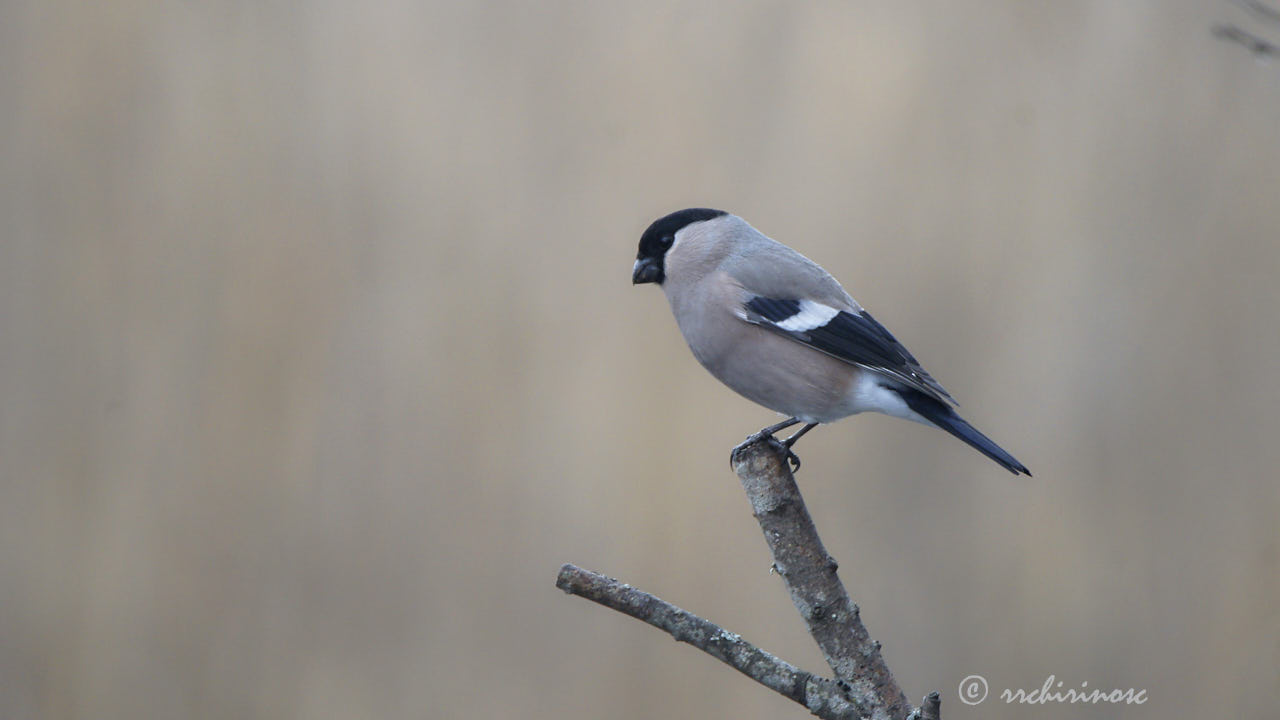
{"x":1261,"y":10}
{"x":1254,"y":44}
{"x":821,"y":696}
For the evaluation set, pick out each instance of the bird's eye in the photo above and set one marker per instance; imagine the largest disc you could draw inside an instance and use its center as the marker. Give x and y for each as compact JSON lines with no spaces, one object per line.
{"x":667,"y":241}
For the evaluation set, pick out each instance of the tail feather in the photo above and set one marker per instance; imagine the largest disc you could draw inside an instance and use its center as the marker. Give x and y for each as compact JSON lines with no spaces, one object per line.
{"x":947,"y":419}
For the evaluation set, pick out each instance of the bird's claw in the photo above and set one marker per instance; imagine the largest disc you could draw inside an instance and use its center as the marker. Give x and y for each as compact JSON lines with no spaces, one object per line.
{"x":792,"y":458}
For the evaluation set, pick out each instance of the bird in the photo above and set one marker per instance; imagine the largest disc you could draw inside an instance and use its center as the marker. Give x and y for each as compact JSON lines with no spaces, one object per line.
{"x":779,"y":330}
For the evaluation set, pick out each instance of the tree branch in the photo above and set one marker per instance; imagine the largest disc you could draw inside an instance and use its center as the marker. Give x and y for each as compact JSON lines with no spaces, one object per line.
{"x":1257,"y":45}
{"x":863,"y":686}
{"x":810,"y":575}
{"x":823,"y":697}
{"x":929,"y":709}
{"x":1261,"y":10}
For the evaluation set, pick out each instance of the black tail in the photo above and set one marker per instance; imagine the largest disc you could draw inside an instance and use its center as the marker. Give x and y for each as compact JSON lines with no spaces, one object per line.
{"x":947,"y":419}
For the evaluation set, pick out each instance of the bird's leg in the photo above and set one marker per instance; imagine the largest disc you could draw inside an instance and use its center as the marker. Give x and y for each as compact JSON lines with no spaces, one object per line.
{"x":792,"y":458}
{"x":792,"y":440}
{"x":775,"y":428}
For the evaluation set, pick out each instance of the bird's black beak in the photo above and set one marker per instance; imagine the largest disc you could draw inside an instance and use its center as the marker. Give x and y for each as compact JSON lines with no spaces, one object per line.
{"x":645,"y":271}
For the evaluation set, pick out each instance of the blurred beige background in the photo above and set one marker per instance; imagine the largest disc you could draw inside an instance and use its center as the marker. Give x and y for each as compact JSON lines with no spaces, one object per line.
{"x":318,"y":352}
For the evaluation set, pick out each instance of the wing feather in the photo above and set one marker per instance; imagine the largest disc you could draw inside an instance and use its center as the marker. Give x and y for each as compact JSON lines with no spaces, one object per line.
{"x":852,"y":337}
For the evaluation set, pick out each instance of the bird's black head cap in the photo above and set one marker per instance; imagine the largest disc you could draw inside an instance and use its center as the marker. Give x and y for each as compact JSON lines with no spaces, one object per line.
{"x":657,"y":240}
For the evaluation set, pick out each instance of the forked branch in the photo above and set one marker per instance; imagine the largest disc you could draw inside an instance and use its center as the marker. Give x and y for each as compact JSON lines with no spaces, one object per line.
{"x":863,"y":687}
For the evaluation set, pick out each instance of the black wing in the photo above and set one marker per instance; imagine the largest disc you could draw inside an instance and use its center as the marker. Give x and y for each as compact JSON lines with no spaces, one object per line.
{"x":855,"y":338}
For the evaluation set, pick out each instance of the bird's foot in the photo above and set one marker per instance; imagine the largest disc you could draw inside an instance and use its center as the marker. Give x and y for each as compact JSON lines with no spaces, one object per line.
{"x":768,"y":433}
{"x":792,"y":458}
{"x":767,"y":436}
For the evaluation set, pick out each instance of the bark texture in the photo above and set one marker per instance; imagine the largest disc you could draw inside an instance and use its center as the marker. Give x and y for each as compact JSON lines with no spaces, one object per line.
{"x":810,"y":575}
